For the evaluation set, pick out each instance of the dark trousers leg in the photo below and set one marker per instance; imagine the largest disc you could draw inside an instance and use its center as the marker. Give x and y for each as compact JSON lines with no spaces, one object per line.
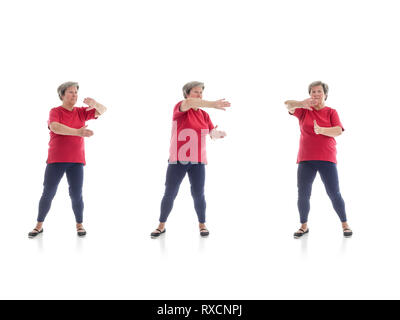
{"x":306,"y":173}
{"x":175,"y":174}
{"x":75,"y":181}
{"x":197,"y":179}
{"x":52,"y":177}
{"x":329,"y":177}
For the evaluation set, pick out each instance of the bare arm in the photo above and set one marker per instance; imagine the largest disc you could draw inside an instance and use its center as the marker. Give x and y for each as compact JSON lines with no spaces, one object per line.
{"x":62,"y":129}
{"x":292,"y":105}
{"x":327,"y":131}
{"x":193,"y":103}
{"x":93,"y":104}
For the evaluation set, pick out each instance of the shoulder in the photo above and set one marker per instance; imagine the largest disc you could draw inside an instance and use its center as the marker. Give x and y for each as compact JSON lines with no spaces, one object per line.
{"x":333,"y":112}
{"x":299,"y":112}
{"x":204,"y":113}
{"x":59,"y":108}
{"x":80,"y":110}
{"x":330,"y":110}
{"x":178,"y":105}
{"x":56,"y":110}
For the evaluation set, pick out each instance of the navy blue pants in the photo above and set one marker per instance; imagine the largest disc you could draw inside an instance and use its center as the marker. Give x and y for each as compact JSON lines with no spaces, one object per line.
{"x":306,"y":173}
{"x":52,"y":177}
{"x":175,"y":174}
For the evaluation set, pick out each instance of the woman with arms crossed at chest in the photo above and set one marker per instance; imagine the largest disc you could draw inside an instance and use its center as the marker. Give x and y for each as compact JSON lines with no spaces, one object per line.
{"x":319,"y":125}
{"x":67,"y":152}
{"x":190,"y":127}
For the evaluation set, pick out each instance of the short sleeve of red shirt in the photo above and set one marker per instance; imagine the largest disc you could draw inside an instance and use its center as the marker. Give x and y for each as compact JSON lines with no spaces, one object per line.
{"x":91,"y":114}
{"x":210,"y":124}
{"x":54,"y":116}
{"x":335,"y":121}
{"x":298,"y":113}
{"x":177,"y":112}
{"x":87,"y":115}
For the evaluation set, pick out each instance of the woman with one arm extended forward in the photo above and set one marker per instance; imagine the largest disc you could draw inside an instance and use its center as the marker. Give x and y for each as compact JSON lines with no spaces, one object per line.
{"x":190,"y":127}
{"x":66,"y":154}
{"x":319,"y":125}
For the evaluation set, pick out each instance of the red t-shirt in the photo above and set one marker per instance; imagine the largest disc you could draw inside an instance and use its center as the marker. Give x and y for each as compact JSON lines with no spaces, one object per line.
{"x":188,"y":138}
{"x":63,"y":148}
{"x":317,"y":146}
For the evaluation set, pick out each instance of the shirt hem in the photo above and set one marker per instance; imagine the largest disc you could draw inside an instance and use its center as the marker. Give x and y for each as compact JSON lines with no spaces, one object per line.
{"x":56,"y":161}
{"x":186,"y":162}
{"x":313,"y":159}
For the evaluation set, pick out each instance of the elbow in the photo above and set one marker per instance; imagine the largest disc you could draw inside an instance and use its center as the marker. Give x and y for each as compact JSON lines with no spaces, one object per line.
{"x":286,"y":103}
{"x":54,"y":127}
{"x":288,"y":106}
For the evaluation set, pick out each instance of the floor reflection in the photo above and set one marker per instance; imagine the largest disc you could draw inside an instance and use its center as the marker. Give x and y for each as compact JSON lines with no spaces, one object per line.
{"x":343,"y":247}
{"x":79,"y":243}
{"x":39,"y":242}
{"x":162,"y":240}
{"x":202,"y":243}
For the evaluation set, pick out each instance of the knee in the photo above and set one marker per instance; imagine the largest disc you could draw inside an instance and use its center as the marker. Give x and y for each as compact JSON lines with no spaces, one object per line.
{"x":170,"y":192}
{"x":75,"y":194}
{"x":334,"y":195}
{"x":304,"y":194}
{"x":49,"y":193}
{"x":304,"y":190}
{"x":197,"y":192}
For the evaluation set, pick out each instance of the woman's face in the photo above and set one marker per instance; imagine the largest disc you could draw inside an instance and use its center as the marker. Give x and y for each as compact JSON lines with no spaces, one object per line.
{"x":70,"y":96}
{"x":196,"y":92}
{"x":317,"y":93}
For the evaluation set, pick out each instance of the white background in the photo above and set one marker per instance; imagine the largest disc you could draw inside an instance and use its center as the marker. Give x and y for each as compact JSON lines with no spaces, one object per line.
{"x":134,"y":57}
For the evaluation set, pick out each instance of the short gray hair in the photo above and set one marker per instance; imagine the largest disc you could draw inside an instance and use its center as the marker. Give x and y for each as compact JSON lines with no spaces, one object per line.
{"x":319,"y":83}
{"x":61,"y":89}
{"x":189,"y":86}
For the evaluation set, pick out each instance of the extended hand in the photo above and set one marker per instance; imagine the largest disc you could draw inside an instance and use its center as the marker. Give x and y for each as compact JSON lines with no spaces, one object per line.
{"x":83,"y":132}
{"x":91,"y":103}
{"x":216,"y":134}
{"x":221,"y":104}
{"x":317,"y":128}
